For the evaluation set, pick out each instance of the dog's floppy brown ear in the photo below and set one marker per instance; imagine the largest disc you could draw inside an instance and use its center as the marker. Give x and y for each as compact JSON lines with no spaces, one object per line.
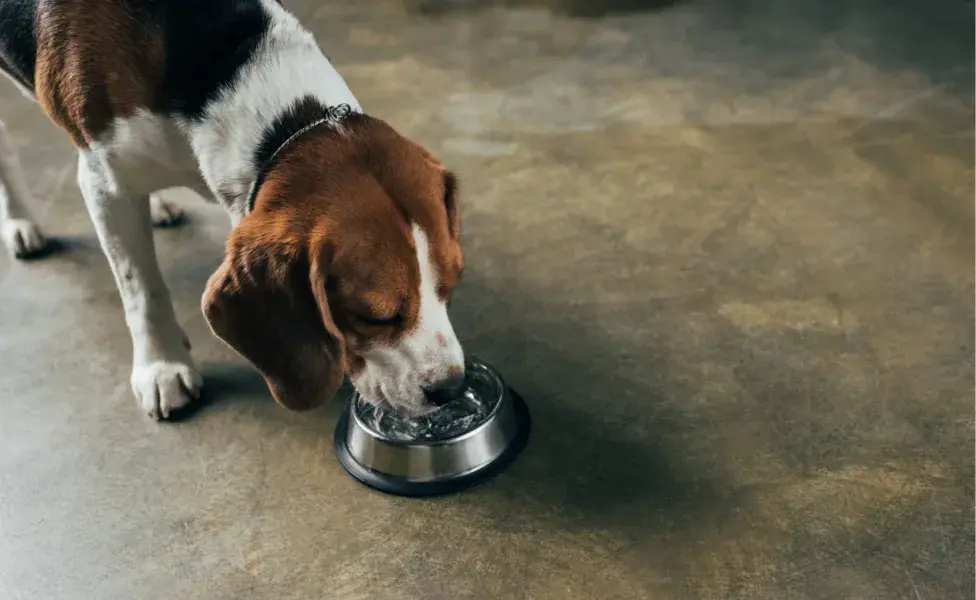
{"x":268,"y":303}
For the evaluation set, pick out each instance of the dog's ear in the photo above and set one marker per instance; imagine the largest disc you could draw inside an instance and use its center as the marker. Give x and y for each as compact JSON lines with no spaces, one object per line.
{"x":404,"y":168}
{"x":268,"y":302}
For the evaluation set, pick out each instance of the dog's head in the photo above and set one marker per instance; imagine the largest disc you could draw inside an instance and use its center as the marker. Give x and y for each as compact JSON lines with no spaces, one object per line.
{"x":346,"y":265}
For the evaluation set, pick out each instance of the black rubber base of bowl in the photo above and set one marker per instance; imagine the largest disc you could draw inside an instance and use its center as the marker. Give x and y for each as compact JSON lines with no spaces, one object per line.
{"x":399,"y":486}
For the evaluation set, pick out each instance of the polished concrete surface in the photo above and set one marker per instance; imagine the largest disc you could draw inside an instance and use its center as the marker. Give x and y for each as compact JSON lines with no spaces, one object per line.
{"x":724,"y":249}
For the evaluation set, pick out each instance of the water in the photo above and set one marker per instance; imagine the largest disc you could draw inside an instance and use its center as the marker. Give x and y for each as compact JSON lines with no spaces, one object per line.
{"x":450,"y":420}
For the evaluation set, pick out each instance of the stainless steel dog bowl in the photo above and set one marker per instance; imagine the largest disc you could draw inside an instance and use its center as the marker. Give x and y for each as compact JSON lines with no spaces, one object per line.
{"x":464,"y":442}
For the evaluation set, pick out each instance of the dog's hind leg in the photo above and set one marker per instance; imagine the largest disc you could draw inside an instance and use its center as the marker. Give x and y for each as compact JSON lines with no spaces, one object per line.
{"x":164,"y":213}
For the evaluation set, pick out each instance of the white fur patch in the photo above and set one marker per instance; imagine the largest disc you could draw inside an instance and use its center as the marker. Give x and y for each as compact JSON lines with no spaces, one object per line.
{"x":434,"y":332}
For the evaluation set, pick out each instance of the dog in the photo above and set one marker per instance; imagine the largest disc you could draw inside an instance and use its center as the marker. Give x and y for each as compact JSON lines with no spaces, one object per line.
{"x":345,"y":245}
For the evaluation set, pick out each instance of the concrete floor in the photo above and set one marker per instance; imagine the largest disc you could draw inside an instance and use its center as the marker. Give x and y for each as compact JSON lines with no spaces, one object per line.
{"x":724,"y":249}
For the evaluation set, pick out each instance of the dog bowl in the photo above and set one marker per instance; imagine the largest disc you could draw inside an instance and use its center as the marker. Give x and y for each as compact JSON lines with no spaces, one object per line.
{"x":464,"y":442}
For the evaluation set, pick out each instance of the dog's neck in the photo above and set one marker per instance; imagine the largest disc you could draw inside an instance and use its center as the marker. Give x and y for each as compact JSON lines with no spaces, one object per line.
{"x":302,"y":119}
{"x":287,"y":72}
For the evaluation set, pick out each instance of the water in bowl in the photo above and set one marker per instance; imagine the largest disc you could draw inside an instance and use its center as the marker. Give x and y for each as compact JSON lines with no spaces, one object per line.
{"x":460,"y":415}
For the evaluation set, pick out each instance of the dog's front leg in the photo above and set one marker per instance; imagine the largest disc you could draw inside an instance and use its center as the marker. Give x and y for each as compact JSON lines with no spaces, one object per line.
{"x":18,"y":232}
{"x":164,"y":377}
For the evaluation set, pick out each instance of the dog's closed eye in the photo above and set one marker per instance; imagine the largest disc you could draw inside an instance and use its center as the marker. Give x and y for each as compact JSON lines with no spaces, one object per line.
{"x":381,"y":321}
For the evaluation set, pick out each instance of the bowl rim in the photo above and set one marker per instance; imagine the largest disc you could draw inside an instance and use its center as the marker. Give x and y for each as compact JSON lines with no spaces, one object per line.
{"x":472,"y":361}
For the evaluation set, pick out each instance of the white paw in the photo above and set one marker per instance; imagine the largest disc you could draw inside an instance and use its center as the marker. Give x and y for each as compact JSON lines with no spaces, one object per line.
{"x":162,"y":387}
{"x":164,"y":213}
{"x":21,"y":237}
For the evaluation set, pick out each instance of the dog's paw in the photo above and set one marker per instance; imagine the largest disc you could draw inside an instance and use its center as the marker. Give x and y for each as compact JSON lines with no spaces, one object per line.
{"x":22,"y":238}
{"x":163,"y":212}
{"x":162,"y":387}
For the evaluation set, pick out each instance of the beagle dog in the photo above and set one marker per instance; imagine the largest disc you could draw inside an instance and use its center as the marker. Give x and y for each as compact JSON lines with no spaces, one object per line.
{"x":345,"y":244}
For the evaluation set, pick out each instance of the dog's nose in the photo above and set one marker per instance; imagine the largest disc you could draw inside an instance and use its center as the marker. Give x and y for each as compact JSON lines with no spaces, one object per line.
{"x":445,"y":390}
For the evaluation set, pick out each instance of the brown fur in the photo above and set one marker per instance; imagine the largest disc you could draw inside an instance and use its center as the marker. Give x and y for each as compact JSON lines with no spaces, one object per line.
{"x":328,"y":243}
{"x":96,"y":62}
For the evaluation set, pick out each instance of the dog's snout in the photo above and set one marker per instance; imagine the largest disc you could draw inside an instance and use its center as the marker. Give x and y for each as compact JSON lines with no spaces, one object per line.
{"x":446,"y":389}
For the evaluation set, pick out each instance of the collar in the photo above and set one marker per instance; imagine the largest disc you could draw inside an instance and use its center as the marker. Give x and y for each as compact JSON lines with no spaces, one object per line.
{"x":333,"y":115}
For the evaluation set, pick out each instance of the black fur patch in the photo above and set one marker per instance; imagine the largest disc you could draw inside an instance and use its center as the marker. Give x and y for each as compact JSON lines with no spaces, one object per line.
{"x":206,"y":43}
{"x":302,"y":113}
{"x":18,"y":50}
